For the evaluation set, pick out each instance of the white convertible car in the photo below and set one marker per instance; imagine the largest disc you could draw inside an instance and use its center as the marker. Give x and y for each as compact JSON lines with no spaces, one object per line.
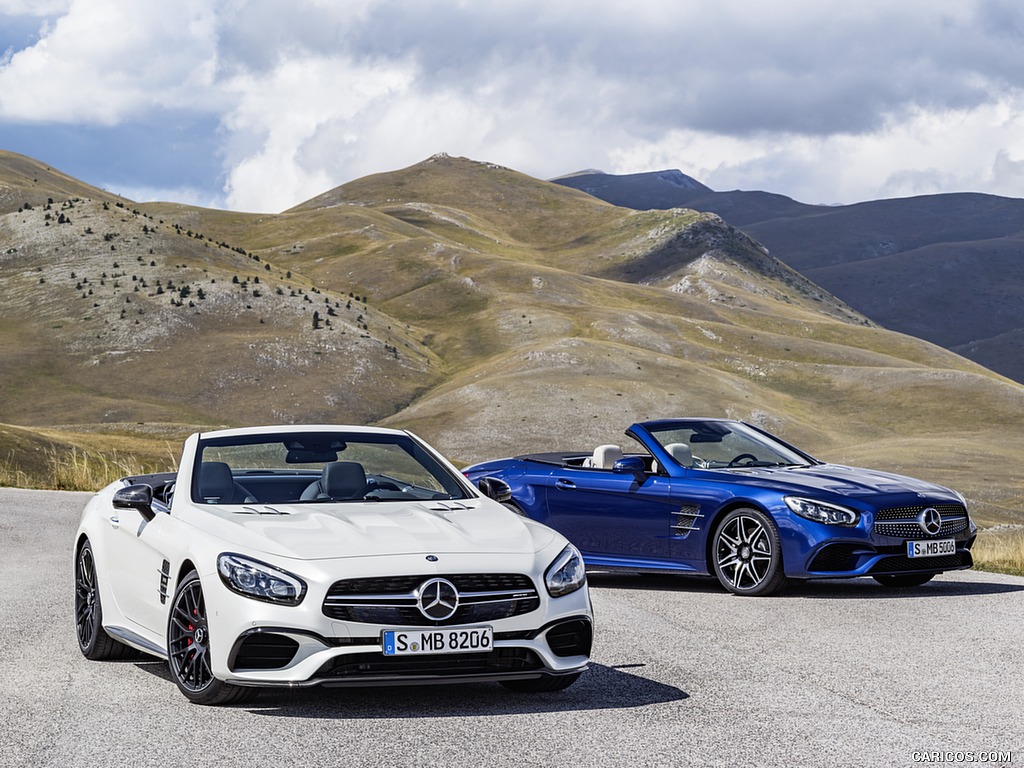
{"x":326,"y":555}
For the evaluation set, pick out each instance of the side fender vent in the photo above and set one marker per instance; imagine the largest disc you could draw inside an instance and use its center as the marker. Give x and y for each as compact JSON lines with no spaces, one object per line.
{"x":685,"y":520}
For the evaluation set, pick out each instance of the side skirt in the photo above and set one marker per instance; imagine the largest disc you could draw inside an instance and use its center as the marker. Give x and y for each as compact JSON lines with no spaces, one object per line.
{"x":611,"y":563}
{"x":136,"y":641}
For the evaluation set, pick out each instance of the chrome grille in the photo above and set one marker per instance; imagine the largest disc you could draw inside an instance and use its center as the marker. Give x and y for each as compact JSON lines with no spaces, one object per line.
{"x":901,"y":522}
{"x":391,"y":600}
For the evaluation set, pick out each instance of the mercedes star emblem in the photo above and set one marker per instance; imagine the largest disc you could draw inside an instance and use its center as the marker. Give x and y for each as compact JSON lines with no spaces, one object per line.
{"x":930,"y":521}
{"x":438,"y":599}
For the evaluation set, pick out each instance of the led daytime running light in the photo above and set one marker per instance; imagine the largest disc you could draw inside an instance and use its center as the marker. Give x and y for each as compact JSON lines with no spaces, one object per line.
{"x":822,"y":511}
{"x":260,"y":581}
{"x":566,"y":573}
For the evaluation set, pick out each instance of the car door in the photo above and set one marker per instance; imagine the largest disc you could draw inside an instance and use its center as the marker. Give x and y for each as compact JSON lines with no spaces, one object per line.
{"x":139,"y":570}
{"x":612,"y":515}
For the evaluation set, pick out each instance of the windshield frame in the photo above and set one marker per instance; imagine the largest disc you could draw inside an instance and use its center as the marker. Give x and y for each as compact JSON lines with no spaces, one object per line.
{"x":287,"y":448}
{"x":738,"y":438}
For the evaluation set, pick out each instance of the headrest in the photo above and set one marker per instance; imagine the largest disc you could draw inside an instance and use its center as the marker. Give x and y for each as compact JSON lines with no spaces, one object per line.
{"x":681,"y":453}
{"x":343,"y":479}
{"x":605,"y":456}
{"x":216,"y":483}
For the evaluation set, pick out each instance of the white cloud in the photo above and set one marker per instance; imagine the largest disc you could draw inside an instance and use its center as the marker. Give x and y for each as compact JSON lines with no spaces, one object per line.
{"x":39,"y":8}
{"x":281,"y":116}
{"x":826,"y":101}
{"x":926,"y":153}
{"x":106,"y":60}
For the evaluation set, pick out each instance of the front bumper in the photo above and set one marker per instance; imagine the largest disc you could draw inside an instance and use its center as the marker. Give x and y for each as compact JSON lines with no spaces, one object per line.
{"x":264,"y":644}
{"x":840,"y":559}
{"x":560,"y":648}
{"x":877,"y":545}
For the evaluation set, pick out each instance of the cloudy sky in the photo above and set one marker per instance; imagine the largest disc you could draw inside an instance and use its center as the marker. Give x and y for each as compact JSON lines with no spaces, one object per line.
{"x":257,"y":105}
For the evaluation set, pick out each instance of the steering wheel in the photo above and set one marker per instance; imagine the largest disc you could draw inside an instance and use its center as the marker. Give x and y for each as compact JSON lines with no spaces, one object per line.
{"x":751,"y":458}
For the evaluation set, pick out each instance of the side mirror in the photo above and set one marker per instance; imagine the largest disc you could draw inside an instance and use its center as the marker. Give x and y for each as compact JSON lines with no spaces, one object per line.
{"x":138,"y":497}
{"x":493,"y":488}
{"x":629,"y":464}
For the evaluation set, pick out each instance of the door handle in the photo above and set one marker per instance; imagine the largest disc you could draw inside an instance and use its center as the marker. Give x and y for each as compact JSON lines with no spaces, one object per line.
{"x":115,"y":521}
{"x":565,"y":485}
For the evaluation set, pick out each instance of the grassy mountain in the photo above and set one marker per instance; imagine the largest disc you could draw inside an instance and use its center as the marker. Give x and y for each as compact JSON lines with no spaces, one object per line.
{"x":491,"y":312}
{"x":946,"y":268}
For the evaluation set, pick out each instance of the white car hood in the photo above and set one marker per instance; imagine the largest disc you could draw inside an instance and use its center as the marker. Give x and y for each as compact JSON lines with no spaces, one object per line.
{"x":365,"y":529}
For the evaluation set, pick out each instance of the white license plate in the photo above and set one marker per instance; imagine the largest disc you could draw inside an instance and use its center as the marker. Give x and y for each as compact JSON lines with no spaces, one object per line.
{"x":931,"y":548}
{"x":405,"y":642}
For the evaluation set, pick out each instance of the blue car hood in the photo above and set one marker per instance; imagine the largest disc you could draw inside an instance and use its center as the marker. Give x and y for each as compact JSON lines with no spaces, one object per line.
{"x":834,"y":479}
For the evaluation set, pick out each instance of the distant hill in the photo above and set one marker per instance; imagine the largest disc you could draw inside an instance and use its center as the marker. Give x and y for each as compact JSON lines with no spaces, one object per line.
{"x":659,"y":189}
{"x":946,"y":268}
{"x":489,"y":311}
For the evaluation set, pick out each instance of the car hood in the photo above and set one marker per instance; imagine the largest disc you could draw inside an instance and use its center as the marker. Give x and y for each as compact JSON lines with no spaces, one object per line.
{"x":366,"y":529}
{"x":837,"y":479}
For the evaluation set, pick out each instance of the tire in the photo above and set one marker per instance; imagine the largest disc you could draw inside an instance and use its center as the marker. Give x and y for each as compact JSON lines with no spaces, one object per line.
{"x":188,"y":649}
{"x":746,"y":554}
{"x":545,"y":684}
{"x":511,"y":505}
{"x":903,"y":580}
{"x":93,"y":641}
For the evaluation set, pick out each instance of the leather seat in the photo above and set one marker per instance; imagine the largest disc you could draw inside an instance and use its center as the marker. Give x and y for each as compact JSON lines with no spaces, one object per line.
{"x":605,"y":456}
{"x":681,"y":453}
{"x":338,"y":480}
{"x":217,"y":485}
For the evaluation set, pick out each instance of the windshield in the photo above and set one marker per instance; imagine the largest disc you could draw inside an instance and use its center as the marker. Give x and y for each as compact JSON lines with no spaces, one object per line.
{"x":318,"y":467}
{"x":716,"y":445}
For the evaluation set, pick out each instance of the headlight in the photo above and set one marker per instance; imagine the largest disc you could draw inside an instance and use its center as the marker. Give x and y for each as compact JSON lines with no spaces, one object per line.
{"x":566,"y":573}
{"x":260,"y":581}
{"x":822,"y":511}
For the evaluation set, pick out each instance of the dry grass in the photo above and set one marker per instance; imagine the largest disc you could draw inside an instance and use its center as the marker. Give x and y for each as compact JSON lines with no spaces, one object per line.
{"x":1000,"y":550}
{"x":82,"y":471}
{"x":72,"y":470}
{"x":12,"y":475}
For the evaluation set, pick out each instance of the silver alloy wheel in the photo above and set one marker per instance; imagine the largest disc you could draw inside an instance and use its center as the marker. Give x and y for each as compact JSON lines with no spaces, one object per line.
{"x":743,"y":550}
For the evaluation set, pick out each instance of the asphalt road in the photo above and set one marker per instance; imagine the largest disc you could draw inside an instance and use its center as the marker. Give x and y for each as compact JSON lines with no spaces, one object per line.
{"x":840,"y":673}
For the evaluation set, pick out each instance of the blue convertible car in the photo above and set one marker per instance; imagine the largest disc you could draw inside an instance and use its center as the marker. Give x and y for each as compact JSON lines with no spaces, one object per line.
{"x":721,"y":497}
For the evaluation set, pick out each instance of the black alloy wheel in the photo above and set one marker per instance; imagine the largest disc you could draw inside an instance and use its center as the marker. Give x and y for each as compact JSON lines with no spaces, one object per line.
{"x":898,"y":580}
{"x":746,"y":554}
{"x":93,"y":641}
{"x":188,"y":649}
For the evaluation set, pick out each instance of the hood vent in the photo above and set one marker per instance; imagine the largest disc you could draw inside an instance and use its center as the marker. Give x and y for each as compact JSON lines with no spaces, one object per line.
{"x":448,"y":506}
{"x":264,"y":510}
